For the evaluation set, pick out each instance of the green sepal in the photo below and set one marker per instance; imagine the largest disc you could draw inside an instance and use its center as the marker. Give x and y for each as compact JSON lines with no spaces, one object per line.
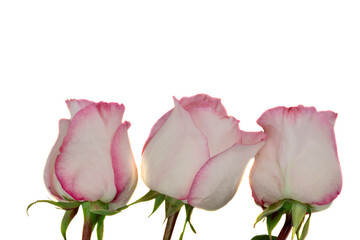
{"x":270,"y":210}
{"x":104,"y":212}
{"x":172,"y":205}
{"x":62,"y":205}
{"x":100,"y":227}
{"x":272,"y":220}
{"x":306,"y":227}
{"x":158,"y":201}
{"x":68,"y":216}
{"x":264,"y":237}
{"x":147,"y":197}
{"x":296,"y":209}
{"x":101,"y":208}
{"x":298,"y":212}
{"x":188,"y":209}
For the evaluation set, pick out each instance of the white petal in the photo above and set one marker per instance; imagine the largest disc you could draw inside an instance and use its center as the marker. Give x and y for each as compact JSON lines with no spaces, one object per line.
{"x":157,"y":126}
{"x":174,"y":155}
{"x":51,"y":181}
{"x":217,"y":181}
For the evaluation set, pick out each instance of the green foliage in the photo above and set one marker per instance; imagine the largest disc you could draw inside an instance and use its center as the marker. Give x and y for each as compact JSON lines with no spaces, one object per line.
{"x":274,"y":212}
{"x":273,"y":219}
{"x":298,"y":212}
{"x":62,"y":205}
{"x":101,"y":208}
{"x":94,"y":214}
{"x":68,"y":217}
{"x":158,"y":201}
{"x":188,"y":209}
{"x":147,"y":197}
{"x":172,"y":205}
{"x":100,"y":227}
{"x":270,"y":210}
{"x":306,"y":227}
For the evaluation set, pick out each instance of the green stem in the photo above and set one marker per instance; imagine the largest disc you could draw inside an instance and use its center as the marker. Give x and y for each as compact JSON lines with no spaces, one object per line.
{"x":170,"y":224}
{"x":90,"y":220}
{"x":284,"y":233}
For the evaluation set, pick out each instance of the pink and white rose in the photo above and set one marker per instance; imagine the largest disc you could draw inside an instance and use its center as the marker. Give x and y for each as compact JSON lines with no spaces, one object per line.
{"x":197,"y":153}
{"x":299,"y":160}
{"x":92,"y":158}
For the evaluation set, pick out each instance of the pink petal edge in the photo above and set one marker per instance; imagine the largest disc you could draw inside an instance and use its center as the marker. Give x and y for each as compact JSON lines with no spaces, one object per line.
{"x":75,"y":105}
{"x":123,"y":162}
{"x":68,"y":181}
{"x":203,"y":101}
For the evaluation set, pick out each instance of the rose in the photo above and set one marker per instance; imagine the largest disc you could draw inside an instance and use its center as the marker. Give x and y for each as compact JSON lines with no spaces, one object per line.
{"x":196,"y":153}
{"x":92,"y":159}
{"x":299,"y":161}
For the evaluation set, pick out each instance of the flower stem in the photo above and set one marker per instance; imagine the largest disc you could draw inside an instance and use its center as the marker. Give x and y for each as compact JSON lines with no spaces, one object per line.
{"x":87,"y":230}
{"x":90,"y":220}
{"x":284,"y":233}
{"x":170,"y":224}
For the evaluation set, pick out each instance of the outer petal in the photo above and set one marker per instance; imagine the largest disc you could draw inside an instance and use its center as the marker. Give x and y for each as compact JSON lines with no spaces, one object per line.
{"x":51,"y":181}
{"x":157,"y":126}
{"x":217,"y":181}
{"x":124,"y":167}
{"x":75,"y":105}
{"x":84,"y":167}
{"x":203,"y":101}
{"x":174,"y":155}
{"x":299,"y":160}
{"x":210,"y":117}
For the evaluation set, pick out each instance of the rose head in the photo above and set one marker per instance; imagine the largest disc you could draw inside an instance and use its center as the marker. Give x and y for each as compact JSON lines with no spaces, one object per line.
{"x":299,"y":160}
{"x":92,"y":159}
{"x":196,"y":153}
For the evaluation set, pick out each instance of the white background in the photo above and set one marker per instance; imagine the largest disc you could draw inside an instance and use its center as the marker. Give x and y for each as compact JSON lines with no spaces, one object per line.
{"x":254,"y":55}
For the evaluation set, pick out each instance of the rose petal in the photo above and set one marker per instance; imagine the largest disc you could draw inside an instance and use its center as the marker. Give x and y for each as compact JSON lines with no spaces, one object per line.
{"x":51,"y":181}
{"x":75,"y":105}
{"x":123,"y":163}
{"x":84,"y":167}
{"x":203,"y":101}
{"x":299,"y":160}
{"x":217,"y":181}
{"x":210,"y":117}
{"x":156,"y":127}
{"x":174,"y":155}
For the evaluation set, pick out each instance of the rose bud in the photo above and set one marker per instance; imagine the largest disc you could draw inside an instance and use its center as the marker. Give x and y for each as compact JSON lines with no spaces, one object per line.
{"x":298,"y":169}
{"x":197,"y":154}
{"x":91,"y":163}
